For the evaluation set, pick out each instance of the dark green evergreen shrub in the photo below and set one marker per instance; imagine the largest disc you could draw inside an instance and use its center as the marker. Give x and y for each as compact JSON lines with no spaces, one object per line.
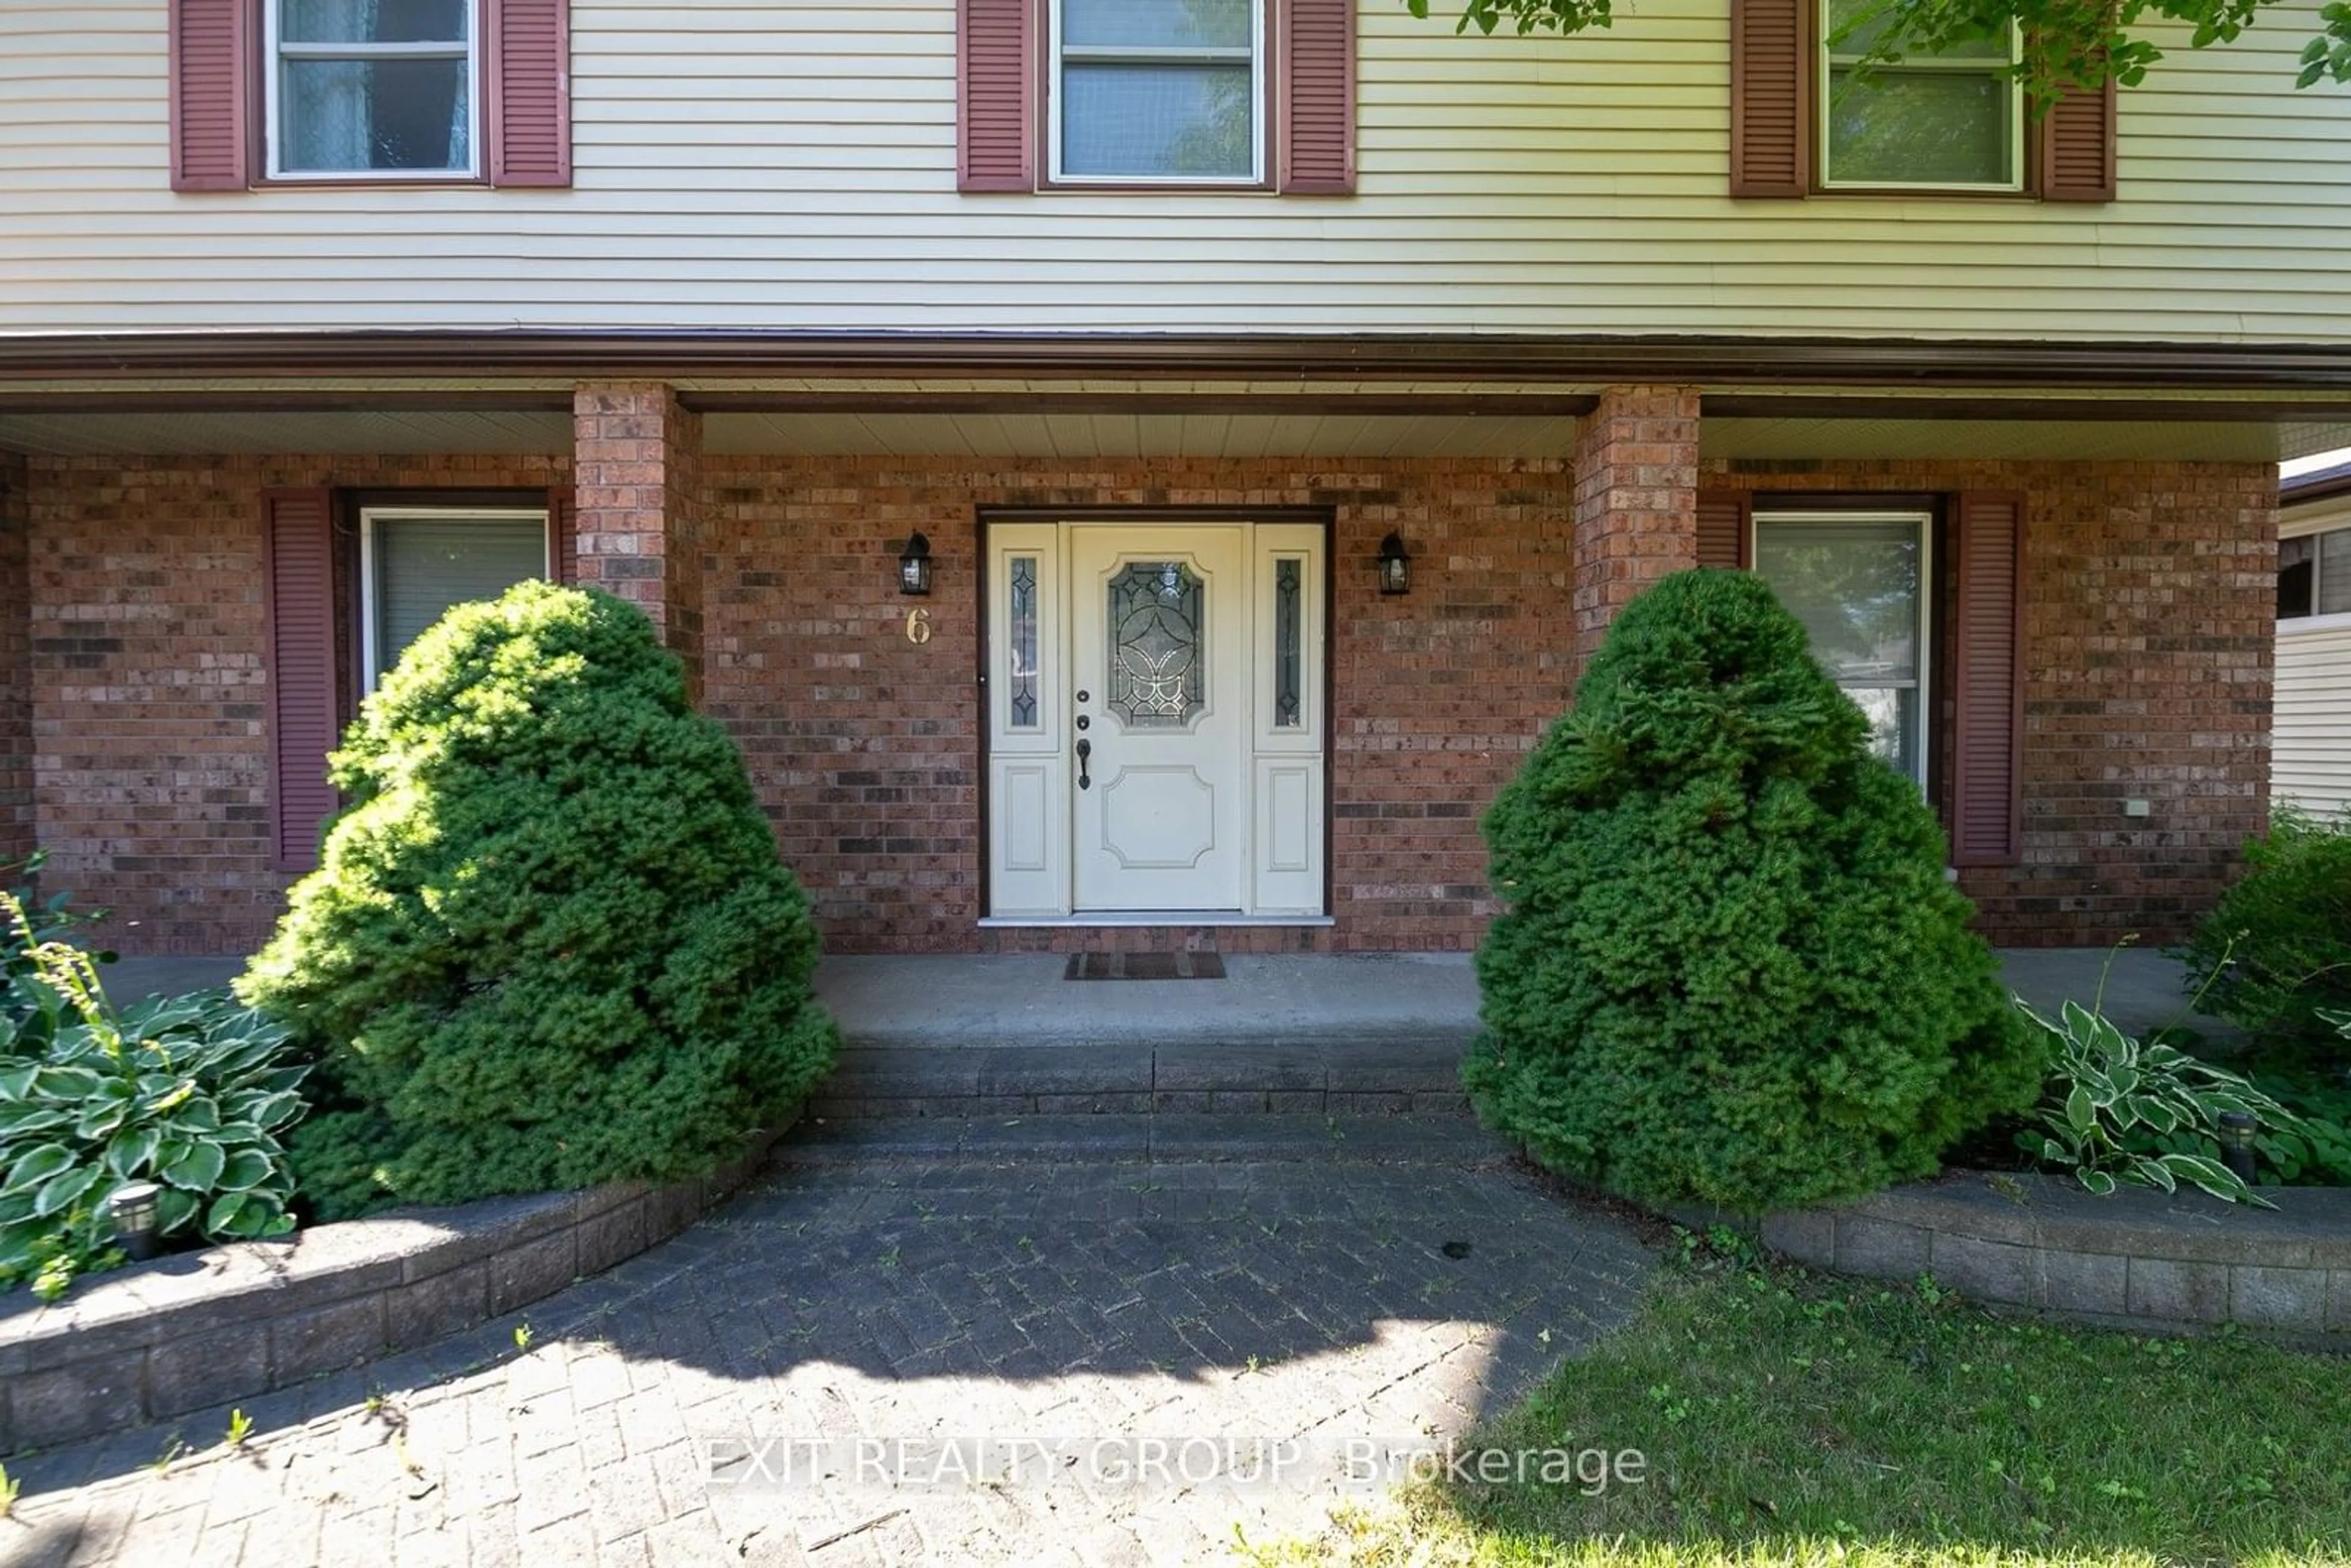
{"x":1731,"y":969}
{"x":548,"y":942}
{"x":2277,"y":948}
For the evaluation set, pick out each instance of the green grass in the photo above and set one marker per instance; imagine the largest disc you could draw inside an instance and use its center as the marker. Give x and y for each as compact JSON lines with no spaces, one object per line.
{"x":1797,"y":1419}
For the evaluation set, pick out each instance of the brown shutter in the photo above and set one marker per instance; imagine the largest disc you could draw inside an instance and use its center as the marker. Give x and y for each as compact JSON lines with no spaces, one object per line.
{"x":528,"y":101}
{"x":1770,"y":98}
{"x":1723,"y":532}
{"x":562,"y":535}
{"x":1316,"y":115}
{"x":299,"y":575}
{"x":995,"y":118}
{"x":211,"y":43}
{"x":2077,"y":146}
{"x":1988,"y":685}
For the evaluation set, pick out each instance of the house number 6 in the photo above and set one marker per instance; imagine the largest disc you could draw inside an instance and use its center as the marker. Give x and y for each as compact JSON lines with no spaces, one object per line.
{"x":918,"y":627}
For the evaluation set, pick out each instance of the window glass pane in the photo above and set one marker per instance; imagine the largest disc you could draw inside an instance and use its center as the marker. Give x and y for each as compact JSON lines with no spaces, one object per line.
{"x":1157,"y":677}
{"x":1855,"y":588}
{"x":1920,"y":128}
{"x":1893,"y":713}
{"x":1868,"y":20}
{"x":1023,"y":641}
{"x":345,"y":115}
{"x":1288,"y":596}
{"x":373,"y":21}
{"x":1138,"y":24}
{"x":2334,"y":573}
{"x":2296,"y":558}
{"x":424,"y":565}
{"x":1157,"y":120}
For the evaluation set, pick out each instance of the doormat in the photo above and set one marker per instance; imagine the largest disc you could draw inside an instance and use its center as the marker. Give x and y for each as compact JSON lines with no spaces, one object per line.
{"x":1145,"y":967}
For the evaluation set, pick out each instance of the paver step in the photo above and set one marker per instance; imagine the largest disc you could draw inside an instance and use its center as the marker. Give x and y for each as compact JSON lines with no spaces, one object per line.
{"x":1281,"y":1076}
{"x":1455,"y":1141}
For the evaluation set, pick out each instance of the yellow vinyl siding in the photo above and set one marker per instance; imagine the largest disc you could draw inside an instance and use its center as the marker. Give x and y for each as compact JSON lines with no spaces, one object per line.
{"x":792,"y":165}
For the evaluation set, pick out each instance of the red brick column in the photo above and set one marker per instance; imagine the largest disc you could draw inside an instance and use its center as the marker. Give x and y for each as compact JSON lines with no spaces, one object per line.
{"x":637,"y":477}
{"x":16,"y":827}
{"x":1636,"y":500}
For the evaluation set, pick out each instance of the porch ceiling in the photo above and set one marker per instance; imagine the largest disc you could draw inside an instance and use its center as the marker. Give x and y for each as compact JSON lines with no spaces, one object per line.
{"x":1317,"y":427}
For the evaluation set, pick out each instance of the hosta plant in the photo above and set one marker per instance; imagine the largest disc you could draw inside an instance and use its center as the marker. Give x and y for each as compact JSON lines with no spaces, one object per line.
{"x":191,"y":1092}
{"x":2111,"y":1104}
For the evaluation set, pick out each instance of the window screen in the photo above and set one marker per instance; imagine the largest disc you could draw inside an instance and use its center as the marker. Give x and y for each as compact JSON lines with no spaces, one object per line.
{"x":425,"y":565}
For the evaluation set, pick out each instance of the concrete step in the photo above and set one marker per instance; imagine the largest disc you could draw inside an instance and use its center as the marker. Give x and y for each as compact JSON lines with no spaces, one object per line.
{"x":1279,"y":1075}
{"x":1177,"y":1138}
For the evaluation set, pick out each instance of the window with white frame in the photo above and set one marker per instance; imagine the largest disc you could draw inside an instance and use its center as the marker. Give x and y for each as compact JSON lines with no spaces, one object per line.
{"x":2315,"y":574}
{"x":416,"y":563}
{"x":372,"y":88}
{"x":1857,"y":581}
{"x":1164,"y":90}
{"x":1947,"y":120}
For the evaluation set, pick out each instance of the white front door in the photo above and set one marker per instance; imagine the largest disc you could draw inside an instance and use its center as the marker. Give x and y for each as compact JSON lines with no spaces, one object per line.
{"x":1159,"y":668}
{"x":1156,"y":726}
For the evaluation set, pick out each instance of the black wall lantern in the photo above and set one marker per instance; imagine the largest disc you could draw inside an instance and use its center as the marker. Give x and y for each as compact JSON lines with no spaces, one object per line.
{"x":1395,"y":567}
{"x":914,"y":565}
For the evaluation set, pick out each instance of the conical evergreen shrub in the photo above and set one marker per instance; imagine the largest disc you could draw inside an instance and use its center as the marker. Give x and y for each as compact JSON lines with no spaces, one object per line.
{"x":548,"y":942}
{"x":1731,"y":969}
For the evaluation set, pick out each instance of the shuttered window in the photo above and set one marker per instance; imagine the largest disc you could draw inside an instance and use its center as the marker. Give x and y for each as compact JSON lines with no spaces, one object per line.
{"x":417,"y":564}
{"x":1173,"y":92}
{"x":1858,"y":584}
{"x":1801,"y":125}
{"x":369,"y":89}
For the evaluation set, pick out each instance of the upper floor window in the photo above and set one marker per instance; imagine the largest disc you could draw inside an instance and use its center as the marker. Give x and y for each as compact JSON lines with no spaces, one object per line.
{"x":372,"y":87}
{"x":1158,"y":90}
{"x":2315,"y":574}
{"x":1947,"y":121}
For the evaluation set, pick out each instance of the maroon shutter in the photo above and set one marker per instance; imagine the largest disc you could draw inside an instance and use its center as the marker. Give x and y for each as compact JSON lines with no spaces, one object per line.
{"x":562,"y":534}
{"x":212,"y":42}
{"x":1317,"y":112}
{"x":995,"y":118}
{"x":528,"y":99}
{"x":1988,"y":686}
{"x":2077,"y":146}
{"x":299,"y":575}
{"x":1723,"y":518}
{"x":1771,"y":118}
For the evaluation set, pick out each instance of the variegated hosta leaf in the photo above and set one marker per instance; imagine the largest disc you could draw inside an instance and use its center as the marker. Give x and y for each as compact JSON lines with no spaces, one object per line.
{"x":2098,"y":1181}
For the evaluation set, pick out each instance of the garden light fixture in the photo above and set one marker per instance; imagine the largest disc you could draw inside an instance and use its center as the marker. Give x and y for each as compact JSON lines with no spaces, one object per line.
{"x":2237,"y":1128}
{"x":131,"y":1210}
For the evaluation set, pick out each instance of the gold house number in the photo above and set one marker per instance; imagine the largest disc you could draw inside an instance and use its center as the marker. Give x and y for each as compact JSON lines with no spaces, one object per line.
{"x":918,"y":627}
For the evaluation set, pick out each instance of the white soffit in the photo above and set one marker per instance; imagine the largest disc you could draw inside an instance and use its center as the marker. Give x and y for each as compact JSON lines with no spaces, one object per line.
{"x":2216,"y":441}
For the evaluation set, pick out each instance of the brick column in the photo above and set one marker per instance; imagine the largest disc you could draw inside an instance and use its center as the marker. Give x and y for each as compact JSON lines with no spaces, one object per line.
{"x":637,"y":525}
{"x":16,"y":824}
{"x":1636,"y":500}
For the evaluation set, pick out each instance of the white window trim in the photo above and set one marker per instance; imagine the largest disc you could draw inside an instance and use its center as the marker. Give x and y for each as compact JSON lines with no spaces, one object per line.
{"x":1259,"y":113}
{"x":1826,"y":60}
{"x":274,"y":53}
{"x":371,"y":635}
{"x":1921,"y":719}
{"x":2326,"y":520}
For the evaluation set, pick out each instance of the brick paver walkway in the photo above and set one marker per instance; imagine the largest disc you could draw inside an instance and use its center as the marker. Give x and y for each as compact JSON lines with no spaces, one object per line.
{"x":916,"y":1346}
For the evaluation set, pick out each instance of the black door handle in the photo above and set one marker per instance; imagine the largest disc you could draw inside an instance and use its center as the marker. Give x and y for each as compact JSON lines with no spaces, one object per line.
{"x":1085,"y":750}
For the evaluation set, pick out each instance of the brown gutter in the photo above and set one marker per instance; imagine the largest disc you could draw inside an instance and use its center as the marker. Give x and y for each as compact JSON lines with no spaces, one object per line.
{"x":1585,"y":360}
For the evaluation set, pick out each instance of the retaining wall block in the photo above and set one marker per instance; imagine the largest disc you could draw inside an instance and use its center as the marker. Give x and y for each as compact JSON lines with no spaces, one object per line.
{"x":2184,"y":1292}
{"x":2278,"y":1298}
{"x":2084,"y":1282}
{"x":1881,"y":1248}
{"x":78,"y":1400}
{"x":187,"y":1373}
{"x":325,"y":1339}
{"x":539,"y":1269}
{"x":430,"y":1308}
{"x":1991,"y":1270}
{"x":1807,"y":1235}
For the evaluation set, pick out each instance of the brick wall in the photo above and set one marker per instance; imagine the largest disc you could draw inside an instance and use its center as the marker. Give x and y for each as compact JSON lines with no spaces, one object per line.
{"x":1636,"y":501}
{"x":15,"y":677}
{"x":2150,"y":592}
{"x":146,"y":673}
{"x":865,"y":746}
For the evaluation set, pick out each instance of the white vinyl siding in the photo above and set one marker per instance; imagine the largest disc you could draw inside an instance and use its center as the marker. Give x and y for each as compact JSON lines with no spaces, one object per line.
{"x":791,"y":165}
{"x":2310,"y":744}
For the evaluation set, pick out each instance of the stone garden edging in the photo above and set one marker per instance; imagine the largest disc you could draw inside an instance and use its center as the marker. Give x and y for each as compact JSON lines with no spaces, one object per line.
{"x":194,"y":1330}
{"x":2139,"y":1258}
